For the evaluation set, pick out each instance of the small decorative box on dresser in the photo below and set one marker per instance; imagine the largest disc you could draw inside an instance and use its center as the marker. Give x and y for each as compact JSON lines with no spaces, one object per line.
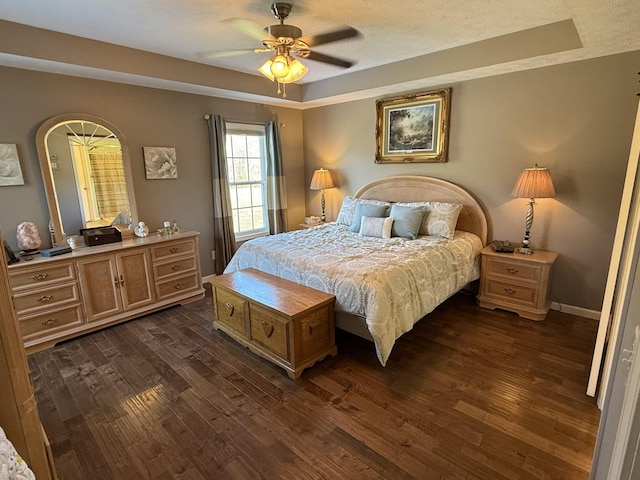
{"x":289,"y":324}
{"x":61,"y":297}
{"x":516,"y":282}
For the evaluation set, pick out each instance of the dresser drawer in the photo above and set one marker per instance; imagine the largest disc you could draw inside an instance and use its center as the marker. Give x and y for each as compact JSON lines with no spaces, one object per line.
{"x":169,"y":269}
{"x":270,"y":331}
{"x":51,"y":323}
{"x":521,"y":294}
{"x":42,"y":299}
{"x":177,"y":286}
{"x":230,"y":310}
{"x":41,"y":276}
{"x":513,"y":270}
{"x":173,"y":249}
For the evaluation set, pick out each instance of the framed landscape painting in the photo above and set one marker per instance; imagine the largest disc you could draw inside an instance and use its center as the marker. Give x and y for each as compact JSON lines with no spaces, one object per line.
{"x":413,"y":128}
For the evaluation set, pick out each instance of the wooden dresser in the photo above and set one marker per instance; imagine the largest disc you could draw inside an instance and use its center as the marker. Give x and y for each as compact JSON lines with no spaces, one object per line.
{"x":516,"y":282}
{"x":284,"y":322}
{"x":61,"y":297}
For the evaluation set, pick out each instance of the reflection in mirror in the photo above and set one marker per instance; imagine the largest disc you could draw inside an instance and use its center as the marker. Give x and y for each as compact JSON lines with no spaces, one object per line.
{"x":86,"y":172}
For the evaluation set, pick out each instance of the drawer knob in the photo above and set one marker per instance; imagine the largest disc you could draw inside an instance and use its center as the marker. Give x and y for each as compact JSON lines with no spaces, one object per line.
{"x":509,"y":291}
{"x":268,"y":328}
{"x":512,"y":271}
{"x":116,"y":281}
{"x":40,"y":276}
{"x":230,"y":308}
{"x":44,"y":298}
{"x":177,"y":286}
{"x":49,"y":322}
{"x":174,"y":249}
{"x":175,"y":268}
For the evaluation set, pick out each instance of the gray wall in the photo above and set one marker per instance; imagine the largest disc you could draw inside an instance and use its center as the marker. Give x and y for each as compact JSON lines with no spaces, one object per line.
{"x":147,"y":117}
{"x":576,"y":119}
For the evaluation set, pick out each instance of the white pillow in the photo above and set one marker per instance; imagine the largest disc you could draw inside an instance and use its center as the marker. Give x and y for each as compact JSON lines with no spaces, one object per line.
{"x":376,"y":227}
{"x":441,"y":218}
{"x":348,"y":210}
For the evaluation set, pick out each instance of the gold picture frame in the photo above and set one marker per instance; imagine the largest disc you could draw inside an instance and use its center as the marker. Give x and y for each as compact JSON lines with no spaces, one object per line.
{"x":413,"y":128}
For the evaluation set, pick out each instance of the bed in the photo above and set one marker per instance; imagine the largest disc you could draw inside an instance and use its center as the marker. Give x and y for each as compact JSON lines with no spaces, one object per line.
{"x":383,"y":286}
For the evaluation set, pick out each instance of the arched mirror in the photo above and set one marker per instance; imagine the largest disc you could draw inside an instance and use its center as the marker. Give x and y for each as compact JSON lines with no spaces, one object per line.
{"x":86,"y":171}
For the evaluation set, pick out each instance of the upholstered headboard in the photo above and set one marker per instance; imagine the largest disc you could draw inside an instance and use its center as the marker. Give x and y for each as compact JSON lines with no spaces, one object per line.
{"x":413,"y":188}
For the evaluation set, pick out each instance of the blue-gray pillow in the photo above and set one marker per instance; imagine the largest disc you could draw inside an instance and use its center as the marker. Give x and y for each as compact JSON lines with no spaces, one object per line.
{"x":366,"y":210}
{"x":406,"y":221}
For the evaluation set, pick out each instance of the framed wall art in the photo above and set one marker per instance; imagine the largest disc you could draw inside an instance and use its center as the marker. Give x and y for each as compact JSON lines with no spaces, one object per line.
{"x":10,"y":171}
{"x":413,"y":128}
{"x":160,"y":163}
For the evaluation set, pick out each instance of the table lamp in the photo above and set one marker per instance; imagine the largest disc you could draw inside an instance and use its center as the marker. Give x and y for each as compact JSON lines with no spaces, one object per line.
{"x":321,"y":180}
{"x":533,"y":183}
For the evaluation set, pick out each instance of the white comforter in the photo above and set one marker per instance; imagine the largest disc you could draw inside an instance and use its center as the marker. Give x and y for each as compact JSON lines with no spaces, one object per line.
{"x":12,"y":466}
{"x":392,"y":283}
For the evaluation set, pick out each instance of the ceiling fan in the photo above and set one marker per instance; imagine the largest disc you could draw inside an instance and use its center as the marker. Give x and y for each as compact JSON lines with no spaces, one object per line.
{"x":286,"y":42}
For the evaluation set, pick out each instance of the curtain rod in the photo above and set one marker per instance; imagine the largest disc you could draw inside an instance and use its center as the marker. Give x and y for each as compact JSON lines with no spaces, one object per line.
{"x":207,"y":117}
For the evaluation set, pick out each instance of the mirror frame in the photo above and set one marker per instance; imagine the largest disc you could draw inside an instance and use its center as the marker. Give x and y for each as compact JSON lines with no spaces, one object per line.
{"x":47,"y":175}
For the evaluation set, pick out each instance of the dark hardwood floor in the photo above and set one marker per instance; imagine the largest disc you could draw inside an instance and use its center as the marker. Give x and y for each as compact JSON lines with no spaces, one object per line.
{"x":468,"y":394}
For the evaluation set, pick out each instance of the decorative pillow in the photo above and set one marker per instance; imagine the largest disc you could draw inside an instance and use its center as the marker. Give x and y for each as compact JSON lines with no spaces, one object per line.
{"x":376,"y":227}
{"x":406,"y":221}
{"x":366,"y":210}
{"x":348,"y":209}
{"x":440,"y":219}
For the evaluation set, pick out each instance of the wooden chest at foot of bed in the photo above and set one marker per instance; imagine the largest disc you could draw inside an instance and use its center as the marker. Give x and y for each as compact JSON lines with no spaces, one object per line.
{"x":289,"y":324}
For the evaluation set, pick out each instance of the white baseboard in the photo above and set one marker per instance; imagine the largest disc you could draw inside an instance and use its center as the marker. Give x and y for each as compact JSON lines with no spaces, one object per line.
{"x":206,"y":278}
{"x":573,"y":310}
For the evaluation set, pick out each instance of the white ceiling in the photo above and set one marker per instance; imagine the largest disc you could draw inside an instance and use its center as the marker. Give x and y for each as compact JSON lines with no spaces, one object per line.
{"x":392,"y":31}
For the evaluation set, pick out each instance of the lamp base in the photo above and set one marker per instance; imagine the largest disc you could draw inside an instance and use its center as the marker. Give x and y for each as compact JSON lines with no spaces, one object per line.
{"x":524,"y":250}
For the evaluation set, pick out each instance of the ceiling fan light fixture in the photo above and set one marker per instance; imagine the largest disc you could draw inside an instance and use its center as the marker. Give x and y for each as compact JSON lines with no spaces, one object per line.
{"x":297,"y":70}
{"x":279,"y":66}
{"x":265,"y":70}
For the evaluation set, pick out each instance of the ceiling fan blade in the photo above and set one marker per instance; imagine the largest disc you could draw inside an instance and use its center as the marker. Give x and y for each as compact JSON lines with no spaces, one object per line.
{"x":250,"y":28}
{"x":328,"y":37}
{"x":230,"y":53}
{"x":321,"y":57}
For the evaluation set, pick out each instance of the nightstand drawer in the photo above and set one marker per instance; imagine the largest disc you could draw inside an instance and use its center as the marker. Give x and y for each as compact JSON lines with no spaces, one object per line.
{"x":513,"y":270}
{"x":521,"y":294}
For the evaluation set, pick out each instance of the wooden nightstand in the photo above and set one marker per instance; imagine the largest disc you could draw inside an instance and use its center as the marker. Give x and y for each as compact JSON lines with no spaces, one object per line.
{"x":516,"y":282}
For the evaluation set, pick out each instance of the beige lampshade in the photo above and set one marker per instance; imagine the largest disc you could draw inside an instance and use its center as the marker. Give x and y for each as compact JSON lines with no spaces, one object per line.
{"x":534,"y":183}
{"x":321,"y":180}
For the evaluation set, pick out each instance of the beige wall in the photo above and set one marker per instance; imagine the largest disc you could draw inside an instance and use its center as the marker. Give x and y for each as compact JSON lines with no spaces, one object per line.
{"x":147,"y":117}
{"x":576,"y":119}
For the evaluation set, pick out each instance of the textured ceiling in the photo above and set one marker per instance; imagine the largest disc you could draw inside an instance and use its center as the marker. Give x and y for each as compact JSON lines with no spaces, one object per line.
{"x":391,"y":32}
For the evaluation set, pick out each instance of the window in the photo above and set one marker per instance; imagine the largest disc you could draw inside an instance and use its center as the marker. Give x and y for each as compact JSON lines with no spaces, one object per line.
{"x":247,"y":171}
